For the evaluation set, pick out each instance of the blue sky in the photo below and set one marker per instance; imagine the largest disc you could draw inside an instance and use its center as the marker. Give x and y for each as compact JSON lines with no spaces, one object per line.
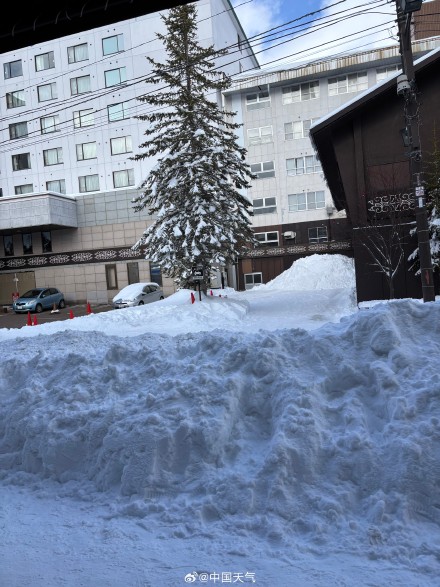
{"x":340,"y":26}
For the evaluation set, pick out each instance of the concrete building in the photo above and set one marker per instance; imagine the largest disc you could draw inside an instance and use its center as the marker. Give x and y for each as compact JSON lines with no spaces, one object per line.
{"x":294,"y":214}
{"x":68,"y":131}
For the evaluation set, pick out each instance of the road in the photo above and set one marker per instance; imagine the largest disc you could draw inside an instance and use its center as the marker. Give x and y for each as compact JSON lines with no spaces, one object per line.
{"x":8,"y":319}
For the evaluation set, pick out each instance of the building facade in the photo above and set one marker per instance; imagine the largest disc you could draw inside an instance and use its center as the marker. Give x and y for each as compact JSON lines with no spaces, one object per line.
{"x":294,"y":213}
{"x":68,"y":131}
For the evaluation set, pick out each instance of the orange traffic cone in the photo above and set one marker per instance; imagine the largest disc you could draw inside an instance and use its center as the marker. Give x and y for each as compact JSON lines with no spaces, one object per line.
{"x":35,"y":320}
{"x":71,"y":314}
{"x":193,"y":298}
{"x":89,"y":309}
{"x":29,"y":319}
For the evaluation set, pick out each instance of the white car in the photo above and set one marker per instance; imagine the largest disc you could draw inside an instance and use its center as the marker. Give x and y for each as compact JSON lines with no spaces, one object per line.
{"x":138,"y":294}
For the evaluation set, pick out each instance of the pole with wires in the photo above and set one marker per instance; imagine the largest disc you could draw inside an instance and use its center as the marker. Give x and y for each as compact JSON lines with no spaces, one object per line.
{"x":406,"y":87}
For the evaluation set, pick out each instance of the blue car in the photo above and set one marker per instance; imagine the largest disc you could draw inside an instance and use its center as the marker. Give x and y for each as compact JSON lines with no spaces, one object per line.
{"x":39,"y":299}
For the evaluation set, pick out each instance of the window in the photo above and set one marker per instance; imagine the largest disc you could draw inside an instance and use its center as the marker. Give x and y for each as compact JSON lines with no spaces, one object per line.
{"x":384,"y":72}
{"x":117,"y":111}
{"x":156,"y":274}
{"x":88,"y":183}
{"x":123,"y":178}
{"x":353,"y":82}
{"x":53,"y":156}
{"x":27,"y":243}
{"x":47,"y":92}
{"x":46,"y":242}
{"x":306,"y":201}
{"x":113,"y":77}
{"x":21,"y":161}
{"x":17,"y":130}
{"x":301,"y":93}
{"x":85,"y":151}
{"x":49,"y":124}
{"x":12,"y":69}
{"x":258,"y":100}
{"x":252,"y":279}
{"x":318,"y":234}
{"x":8,"y":245}
{"x":15,"y":99}
{"x":301,"y":165}
{"x":113,"y":44}
{"x":121,"y":145}
{"x":264,"y":205}
{"x":298,"y":130}
{"x":264,"y":169}
{"x":80,"y":85}
{"x":133,"y":272}
{"x":256,"y":136}
{"x":83,"y":118}
{"x":111,"y":277}
{"x":267,"y":238}
{"x":56,"y":185}
{"x":23,"y":189}
{"x":44,"y":61}
{"x":77,"y":53}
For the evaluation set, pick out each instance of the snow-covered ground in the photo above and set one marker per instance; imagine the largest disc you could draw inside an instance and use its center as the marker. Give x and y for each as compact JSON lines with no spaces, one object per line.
{"x":280,"y":437}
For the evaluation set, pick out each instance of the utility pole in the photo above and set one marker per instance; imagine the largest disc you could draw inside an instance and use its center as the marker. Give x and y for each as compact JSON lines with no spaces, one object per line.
{"x":406,"y":87}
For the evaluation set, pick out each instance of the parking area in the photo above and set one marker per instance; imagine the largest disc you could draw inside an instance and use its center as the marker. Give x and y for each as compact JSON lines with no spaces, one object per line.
{"x":8,"y":318}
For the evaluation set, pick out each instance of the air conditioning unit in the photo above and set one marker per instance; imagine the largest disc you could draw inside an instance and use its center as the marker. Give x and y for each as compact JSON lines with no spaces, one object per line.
{"x":289,"y":234}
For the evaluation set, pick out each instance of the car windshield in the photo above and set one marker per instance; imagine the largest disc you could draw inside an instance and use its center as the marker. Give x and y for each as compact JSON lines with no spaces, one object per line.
{"x":32,"y":293}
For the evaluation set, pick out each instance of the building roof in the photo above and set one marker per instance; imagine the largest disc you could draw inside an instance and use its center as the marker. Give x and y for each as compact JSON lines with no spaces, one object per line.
{"x":35,"y":21}
{"x":321,"y":131}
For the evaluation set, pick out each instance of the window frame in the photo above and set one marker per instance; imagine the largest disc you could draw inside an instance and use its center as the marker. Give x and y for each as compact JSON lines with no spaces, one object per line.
{"x":111,"y":276}
{"x":118,"y":50}
{"x":304,"y":201}
{"x":83,"y":181}
{"x":262,"y":137}
{"x":62,"y":184}
{"x":57,"y":151}
{"x":55,"y":127}
{"x":21,"y":157}
{"x":123,"y":109}
{"x":263,"y":173}
{"x":53,"y":94}
{"x":304,"y":92}
{"x":305,"y":168}
{"x":266,"y":208}
{"x":129,"y":173}
{"x":79,"y":148}
{"x":15,"y":99}
{"x":74,"y":85}
{"x":266,"y":240}
{"x":22,"y":189}
{"x":318,"y":239}
{"x":48,"y":59}
{"x":72,"y":52}
{"x":252,"y":274}
{"x":13,"y":135}
{"x":8,"y":67}
{"x":341,"y":84}
{"x":46,"y":242}
{"x":262,"y":100}
{"x":28,"y":249}
{"x":130,"y":150}
{"x":79,"y":116}
{"x":122,"y":75}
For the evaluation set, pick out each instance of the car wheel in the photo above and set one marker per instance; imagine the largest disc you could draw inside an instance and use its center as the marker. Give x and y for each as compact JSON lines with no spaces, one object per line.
{"x":141,"y":303}
{"x":38,"y":308}
{"x":62,"y":304}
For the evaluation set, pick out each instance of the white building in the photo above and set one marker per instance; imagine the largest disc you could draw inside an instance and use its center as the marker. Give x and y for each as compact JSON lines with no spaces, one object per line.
{"x":68,"y":131}
{"x":293,"y":208}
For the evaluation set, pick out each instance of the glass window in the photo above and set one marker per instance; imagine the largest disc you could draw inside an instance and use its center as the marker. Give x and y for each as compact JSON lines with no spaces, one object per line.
{"x":111,"y":277}
{"x":17,"y":130}
{"x":46,"y":241}
{"x":385,"y":72}
{"x":27,"y":243}
{"x":53,"y":156}
{"x":267,"y":238}
{"x":47,"y":92}
{"x":113,"y":77}
{"x":83,"y":118}
{"x":21,"y":161}
{"x":306,"y":201}
{"x":44,"y":61}
{"x":56,"y":185}
{"x":77,"y":53}
{"x":85,"y":151}
{"x":156,"y":274}
{"x":121,"y":145}
{"x":123,"y":178}
{"x":13,"y":69}
{"x":23,"y":189}
{"x":264,"y":169}
{"x":318,"y":234}
{"x":49,"y":124}
{"x":113,"y":44}
{"x":301,"y":165}
{"x":343,"y":84}
{"x":80,"y":85}
{"x":258,"y":100}
{"x":252,"y":279}
{"x":298,"y":129}
{"x":256,"y":136}
{"x":8,"y":245}
{"x":300,"y":92}
{"x":89,"y":183}
{"x":15,"y":99}
{"x":264,"y":205}
{"x":117,"y":111}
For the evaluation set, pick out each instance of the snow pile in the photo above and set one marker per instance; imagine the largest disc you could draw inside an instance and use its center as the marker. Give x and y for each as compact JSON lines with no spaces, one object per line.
{"x":317,"y":272}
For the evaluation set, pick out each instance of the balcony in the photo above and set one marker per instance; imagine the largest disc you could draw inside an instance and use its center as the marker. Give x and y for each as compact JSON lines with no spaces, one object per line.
{"x":46,"y":211}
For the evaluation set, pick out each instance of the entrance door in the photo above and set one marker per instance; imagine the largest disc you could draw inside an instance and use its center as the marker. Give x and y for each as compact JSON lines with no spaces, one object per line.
{"x":133,"y":272}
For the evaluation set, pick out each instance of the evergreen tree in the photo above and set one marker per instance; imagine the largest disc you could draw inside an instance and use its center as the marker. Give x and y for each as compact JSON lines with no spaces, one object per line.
{"x":432,"y":188}
{"x":201,"y":218}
